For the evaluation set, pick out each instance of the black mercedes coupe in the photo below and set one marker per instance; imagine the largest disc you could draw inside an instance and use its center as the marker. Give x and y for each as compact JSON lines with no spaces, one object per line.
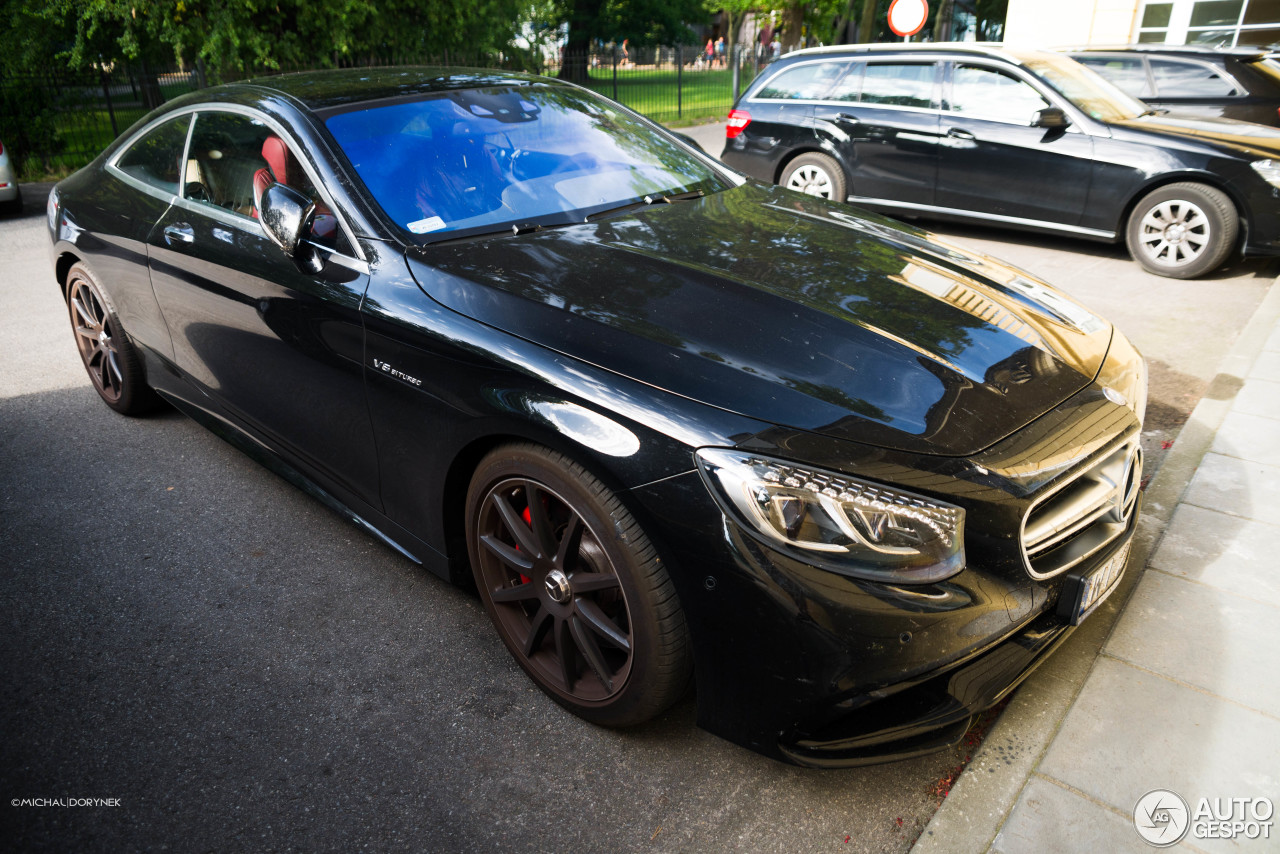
{"x":680,"y":429}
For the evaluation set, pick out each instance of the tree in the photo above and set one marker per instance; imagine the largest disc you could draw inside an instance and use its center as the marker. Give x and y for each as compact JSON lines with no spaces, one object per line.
{"x":250,"y":35}
{"x":641,"y":22}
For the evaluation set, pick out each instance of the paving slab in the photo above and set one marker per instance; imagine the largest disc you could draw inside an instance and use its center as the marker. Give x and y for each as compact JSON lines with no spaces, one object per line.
{"x":1249,"y":437}
{"x":1259,"y":397}
{"x":1205,"y":636}
{"x":1223,"y":551}
{"x":1239,"y":487}
{"x":1131,"y":731}
{"x":1267,"y":366}
{"x":1051,"y":819}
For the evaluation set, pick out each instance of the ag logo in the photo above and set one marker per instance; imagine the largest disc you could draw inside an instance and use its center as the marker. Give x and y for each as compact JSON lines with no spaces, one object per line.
{"x":1161,"y":817}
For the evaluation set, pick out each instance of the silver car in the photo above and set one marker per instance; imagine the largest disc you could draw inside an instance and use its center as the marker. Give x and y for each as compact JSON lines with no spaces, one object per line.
{"x":10,"y":195}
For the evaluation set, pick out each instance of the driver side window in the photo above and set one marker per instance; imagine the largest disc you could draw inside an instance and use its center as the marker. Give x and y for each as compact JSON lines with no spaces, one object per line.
{"x":990,"y":94}
{"x":233,"y":158}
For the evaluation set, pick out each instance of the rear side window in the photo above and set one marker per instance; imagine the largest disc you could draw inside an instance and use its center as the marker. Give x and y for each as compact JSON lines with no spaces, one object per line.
{"x":156,"y":158}
{"x":1189,"y":80}
{"x":849,"y":87}
{"x":1127,"y":72}
{"x":898,"y":84}
{"x":808,"y":82}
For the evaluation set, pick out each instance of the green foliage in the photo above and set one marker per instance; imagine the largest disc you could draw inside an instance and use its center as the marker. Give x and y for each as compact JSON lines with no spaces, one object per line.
{"x":250,"y":34}
{"x":27,"y":124}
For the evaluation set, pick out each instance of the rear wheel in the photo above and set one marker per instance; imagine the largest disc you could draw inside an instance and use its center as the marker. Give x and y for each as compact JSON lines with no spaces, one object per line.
{"x":112,"y":362}
{"x":574,"y":587}
{"x":816,"y":175}
{"x":1182,"y":230}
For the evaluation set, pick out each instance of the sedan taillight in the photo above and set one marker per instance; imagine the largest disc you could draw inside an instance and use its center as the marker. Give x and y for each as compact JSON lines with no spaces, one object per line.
{"x":738,"y":121}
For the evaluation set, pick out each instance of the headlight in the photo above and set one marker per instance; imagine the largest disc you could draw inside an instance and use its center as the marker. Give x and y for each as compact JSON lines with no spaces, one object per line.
{"x":840,"y":523}
{"x":1125,"y":370}
{"x":1269,"y":170}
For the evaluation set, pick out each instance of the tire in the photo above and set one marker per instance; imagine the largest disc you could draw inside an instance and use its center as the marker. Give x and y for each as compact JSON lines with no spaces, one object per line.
{"x":110,"y":358}
{"x":1182,"y":230}
{"x":575,"y":589}
{"x":815,"y":175}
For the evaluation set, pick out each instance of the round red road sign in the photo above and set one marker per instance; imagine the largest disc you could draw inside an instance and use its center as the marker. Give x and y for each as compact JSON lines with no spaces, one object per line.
{"x":907,"y":17}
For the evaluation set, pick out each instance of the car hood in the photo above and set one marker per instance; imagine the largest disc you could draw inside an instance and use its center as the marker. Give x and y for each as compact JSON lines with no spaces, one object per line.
{"x":1245,"y":138}
{"x":790,"y":310}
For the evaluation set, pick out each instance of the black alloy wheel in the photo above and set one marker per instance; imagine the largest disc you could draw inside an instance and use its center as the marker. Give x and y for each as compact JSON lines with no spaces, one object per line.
{"x":574,"y":587}
{"x":109,"y":357}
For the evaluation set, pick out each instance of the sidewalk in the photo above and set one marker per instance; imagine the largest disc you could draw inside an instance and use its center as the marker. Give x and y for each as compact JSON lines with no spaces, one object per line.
{"x":1174,"y":683}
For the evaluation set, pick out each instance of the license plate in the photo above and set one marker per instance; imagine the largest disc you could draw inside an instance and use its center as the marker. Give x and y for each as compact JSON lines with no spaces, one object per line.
{"x":1081,"y":594}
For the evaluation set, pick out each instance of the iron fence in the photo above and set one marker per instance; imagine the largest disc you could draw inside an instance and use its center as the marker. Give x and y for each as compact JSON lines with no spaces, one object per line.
{"x":54,"y":121}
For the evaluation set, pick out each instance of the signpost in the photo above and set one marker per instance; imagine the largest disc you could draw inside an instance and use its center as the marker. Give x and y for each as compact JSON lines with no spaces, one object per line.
{"x":907,"y":17}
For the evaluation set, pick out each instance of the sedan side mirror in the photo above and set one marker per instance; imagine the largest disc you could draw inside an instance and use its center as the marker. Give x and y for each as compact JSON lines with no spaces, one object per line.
{"x":286,"y":215}
{"x":1051,"y":117}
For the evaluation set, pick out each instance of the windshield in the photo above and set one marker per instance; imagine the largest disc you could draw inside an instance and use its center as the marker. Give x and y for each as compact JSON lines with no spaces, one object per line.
{"x":1085,"y":88}
{"x":509,"y":157}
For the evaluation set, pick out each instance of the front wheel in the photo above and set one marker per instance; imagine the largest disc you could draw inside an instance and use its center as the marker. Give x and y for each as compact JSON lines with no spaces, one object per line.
{"x":575,"y":588}
{"x":1182,"y":230}
{"x":815,"y":174}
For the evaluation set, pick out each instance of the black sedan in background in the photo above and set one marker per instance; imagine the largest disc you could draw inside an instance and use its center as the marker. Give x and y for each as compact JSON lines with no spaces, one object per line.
{"x":1193,"y":80}
{"x":1018,"y":138}
{"x":679,"y":428}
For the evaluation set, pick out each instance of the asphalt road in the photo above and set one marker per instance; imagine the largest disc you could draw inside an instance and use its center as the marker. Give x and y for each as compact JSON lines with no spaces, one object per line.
{"x":185,"y":632}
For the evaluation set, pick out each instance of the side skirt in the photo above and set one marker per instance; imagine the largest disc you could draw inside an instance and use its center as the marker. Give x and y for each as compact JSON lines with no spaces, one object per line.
{"x":417,"y":551}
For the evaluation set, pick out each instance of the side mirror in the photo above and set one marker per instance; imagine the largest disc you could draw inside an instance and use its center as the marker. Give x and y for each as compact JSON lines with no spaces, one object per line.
{"x":286,"y":215}
{"x":1051,"y":117}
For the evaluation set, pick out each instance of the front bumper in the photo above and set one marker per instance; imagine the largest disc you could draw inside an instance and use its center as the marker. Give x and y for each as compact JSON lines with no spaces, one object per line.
{"x":817,"y":668}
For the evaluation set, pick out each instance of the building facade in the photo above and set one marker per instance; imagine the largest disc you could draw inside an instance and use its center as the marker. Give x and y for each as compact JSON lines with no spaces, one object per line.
{"x":1095,"y":22}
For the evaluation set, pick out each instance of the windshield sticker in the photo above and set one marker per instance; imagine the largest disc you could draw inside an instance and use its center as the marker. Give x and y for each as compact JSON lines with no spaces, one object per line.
{"x":424,"y":226}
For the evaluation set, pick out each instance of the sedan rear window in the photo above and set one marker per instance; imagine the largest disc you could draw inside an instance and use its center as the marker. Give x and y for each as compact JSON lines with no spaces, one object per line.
{"x":481,"y":160}
{"x":809,"y":81}
{"x":1189,"y":80}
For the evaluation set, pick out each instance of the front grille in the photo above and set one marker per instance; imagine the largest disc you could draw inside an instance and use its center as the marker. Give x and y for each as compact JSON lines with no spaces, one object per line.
{"x":1080,"y":517}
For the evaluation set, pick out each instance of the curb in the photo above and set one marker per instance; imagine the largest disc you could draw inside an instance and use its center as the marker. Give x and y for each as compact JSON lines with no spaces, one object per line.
{"x":979,"y":804}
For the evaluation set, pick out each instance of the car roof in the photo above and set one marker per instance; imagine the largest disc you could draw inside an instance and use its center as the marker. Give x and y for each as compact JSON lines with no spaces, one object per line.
{"x":1152,"y":47}
{"x":993,"y":49}
{"x":324,"y":90}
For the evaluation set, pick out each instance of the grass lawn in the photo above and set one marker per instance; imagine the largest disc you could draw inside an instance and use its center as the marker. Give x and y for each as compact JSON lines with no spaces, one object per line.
{"x":700,"y":94}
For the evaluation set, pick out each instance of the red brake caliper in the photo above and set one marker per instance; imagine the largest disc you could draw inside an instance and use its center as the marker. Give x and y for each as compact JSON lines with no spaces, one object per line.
{"x":528,"y":520}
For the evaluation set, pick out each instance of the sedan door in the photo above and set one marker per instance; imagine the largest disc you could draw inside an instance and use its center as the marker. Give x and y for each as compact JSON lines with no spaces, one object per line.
{"x":881,"y":119}
{"x":277,"y":350}
{"x":996,"y":163}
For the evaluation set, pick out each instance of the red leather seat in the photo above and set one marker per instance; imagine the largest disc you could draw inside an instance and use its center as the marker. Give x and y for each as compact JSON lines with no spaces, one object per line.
{"x":281,"y":170}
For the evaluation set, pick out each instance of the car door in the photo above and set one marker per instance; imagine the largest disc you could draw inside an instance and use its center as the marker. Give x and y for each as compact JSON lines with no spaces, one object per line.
{"x":277,"y":350}
{"x":146,"y":173}
{"x":996,"y":163}
{"x":781,"y":117}
{"x":881,"y":120}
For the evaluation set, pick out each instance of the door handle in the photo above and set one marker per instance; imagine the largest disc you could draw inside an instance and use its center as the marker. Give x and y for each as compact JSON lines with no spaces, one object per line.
{"x":179,"y":233}
{"x":848,"y":117}
{"x":960,"y":133}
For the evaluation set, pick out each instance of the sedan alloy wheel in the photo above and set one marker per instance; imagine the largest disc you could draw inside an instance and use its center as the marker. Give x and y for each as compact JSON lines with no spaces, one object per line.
{"x":109,"y":357}
{"x":589,"y":614}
